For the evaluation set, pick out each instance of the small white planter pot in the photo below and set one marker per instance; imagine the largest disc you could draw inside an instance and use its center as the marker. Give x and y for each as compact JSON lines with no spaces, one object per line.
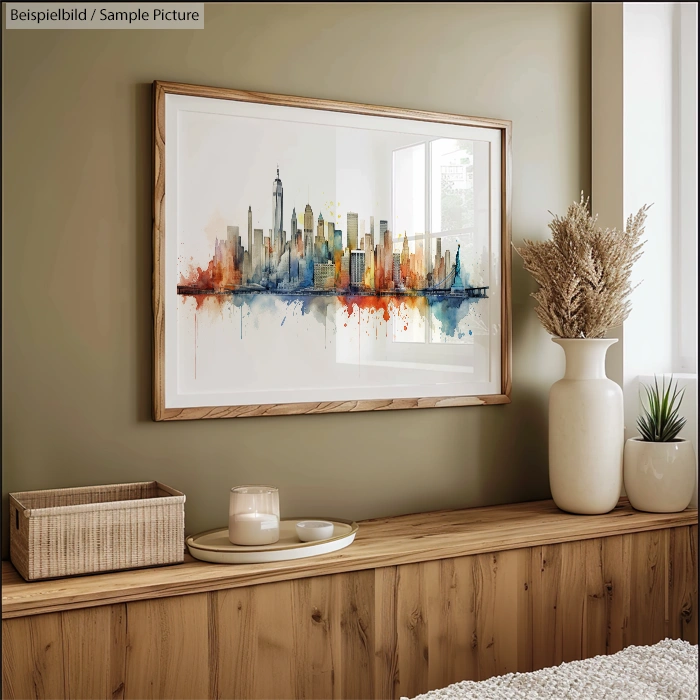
{"x":659,"y":476}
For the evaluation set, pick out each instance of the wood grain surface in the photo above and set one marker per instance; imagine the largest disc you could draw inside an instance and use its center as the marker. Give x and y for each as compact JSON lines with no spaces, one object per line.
{"x":381,"y":542}
{"x":161,"y":411}
{"x":32,"y":658}
{"x":683,"y":583}
{"x":93,"y":638}
{"x":379,"y":633}
{"x":167,"y":648}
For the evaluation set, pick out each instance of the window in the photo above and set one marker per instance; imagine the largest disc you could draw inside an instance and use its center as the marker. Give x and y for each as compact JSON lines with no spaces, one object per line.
{"x":686,"y":254}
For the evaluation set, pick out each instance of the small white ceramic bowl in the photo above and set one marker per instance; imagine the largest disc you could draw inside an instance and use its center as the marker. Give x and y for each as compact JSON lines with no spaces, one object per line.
{"x":313,"y":530}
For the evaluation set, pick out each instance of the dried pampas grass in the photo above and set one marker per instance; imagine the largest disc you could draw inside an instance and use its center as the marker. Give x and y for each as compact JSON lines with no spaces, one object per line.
{"x":584,"y":272}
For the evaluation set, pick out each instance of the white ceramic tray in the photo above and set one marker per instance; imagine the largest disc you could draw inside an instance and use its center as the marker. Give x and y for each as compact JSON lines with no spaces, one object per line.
{"x":214,"y":545}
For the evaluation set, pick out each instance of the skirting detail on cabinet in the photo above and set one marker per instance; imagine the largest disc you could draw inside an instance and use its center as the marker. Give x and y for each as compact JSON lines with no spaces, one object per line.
{"x":417,"y":602}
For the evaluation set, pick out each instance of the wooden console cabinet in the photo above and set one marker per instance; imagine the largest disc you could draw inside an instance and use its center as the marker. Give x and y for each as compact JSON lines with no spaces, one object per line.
{"x":415,"y":603}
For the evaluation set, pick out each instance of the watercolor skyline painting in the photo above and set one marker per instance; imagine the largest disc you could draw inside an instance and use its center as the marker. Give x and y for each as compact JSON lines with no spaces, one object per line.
{"x":322,"y":257}
{"x":320,"y":260}
{"x":280,"y":263}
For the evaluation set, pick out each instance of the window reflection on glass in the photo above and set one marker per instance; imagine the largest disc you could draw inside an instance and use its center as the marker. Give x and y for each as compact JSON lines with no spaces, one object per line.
{"x":435,"y":223}
{"x":451,"y":185}
{"x":409,"y":191}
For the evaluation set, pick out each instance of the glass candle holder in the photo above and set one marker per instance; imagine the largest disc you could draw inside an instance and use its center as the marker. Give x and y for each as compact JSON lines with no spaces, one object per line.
{"x":254,"y":515}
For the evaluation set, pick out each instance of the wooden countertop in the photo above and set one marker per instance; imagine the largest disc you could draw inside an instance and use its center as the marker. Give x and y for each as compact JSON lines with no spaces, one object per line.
{"x":380,"y":542}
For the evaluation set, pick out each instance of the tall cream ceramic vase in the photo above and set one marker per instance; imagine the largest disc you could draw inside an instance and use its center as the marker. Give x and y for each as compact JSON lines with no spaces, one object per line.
{"x":586,"y":430}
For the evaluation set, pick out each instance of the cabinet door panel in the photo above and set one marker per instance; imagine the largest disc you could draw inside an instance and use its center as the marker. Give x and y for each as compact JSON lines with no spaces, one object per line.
{"x":94,"y":652}
{"x":167,"y":653}
{"x":683,"y":581}
{"x":313,"y":637}
{"x":444,"y":621}
{"x":32,"y":657}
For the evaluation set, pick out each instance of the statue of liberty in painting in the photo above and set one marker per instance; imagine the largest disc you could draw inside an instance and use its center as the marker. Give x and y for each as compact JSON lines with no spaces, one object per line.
{"x":457,"y":284}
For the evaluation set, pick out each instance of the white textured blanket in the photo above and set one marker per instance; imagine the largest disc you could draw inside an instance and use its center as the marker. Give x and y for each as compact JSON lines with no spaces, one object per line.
{"x":663,"y":671}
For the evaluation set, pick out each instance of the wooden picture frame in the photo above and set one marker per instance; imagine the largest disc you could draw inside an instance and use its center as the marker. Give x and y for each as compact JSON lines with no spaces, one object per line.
{"x":499,"y":328}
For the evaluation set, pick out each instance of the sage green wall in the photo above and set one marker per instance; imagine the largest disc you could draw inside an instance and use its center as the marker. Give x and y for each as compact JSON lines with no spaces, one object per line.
{"x":77,"y":249}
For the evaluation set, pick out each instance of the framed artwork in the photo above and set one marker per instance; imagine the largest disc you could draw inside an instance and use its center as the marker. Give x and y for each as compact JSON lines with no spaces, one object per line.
{"x":313,"y":256}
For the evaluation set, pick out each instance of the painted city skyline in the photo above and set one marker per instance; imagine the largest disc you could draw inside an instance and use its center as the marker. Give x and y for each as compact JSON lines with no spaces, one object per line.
{"x":316,"y":258}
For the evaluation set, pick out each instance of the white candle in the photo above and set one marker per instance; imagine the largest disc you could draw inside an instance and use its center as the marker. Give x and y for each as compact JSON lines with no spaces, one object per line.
{"x":253,"y":528}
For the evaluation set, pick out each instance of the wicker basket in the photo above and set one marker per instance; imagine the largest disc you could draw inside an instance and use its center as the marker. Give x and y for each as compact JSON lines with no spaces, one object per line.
{"x":66,"y":532}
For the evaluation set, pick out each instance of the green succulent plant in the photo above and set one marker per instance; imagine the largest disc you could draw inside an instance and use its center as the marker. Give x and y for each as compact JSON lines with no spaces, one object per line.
{"x":660,"y":421}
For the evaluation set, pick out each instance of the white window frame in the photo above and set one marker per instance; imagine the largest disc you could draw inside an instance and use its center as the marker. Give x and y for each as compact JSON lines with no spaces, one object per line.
{"x":686,"y":238}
